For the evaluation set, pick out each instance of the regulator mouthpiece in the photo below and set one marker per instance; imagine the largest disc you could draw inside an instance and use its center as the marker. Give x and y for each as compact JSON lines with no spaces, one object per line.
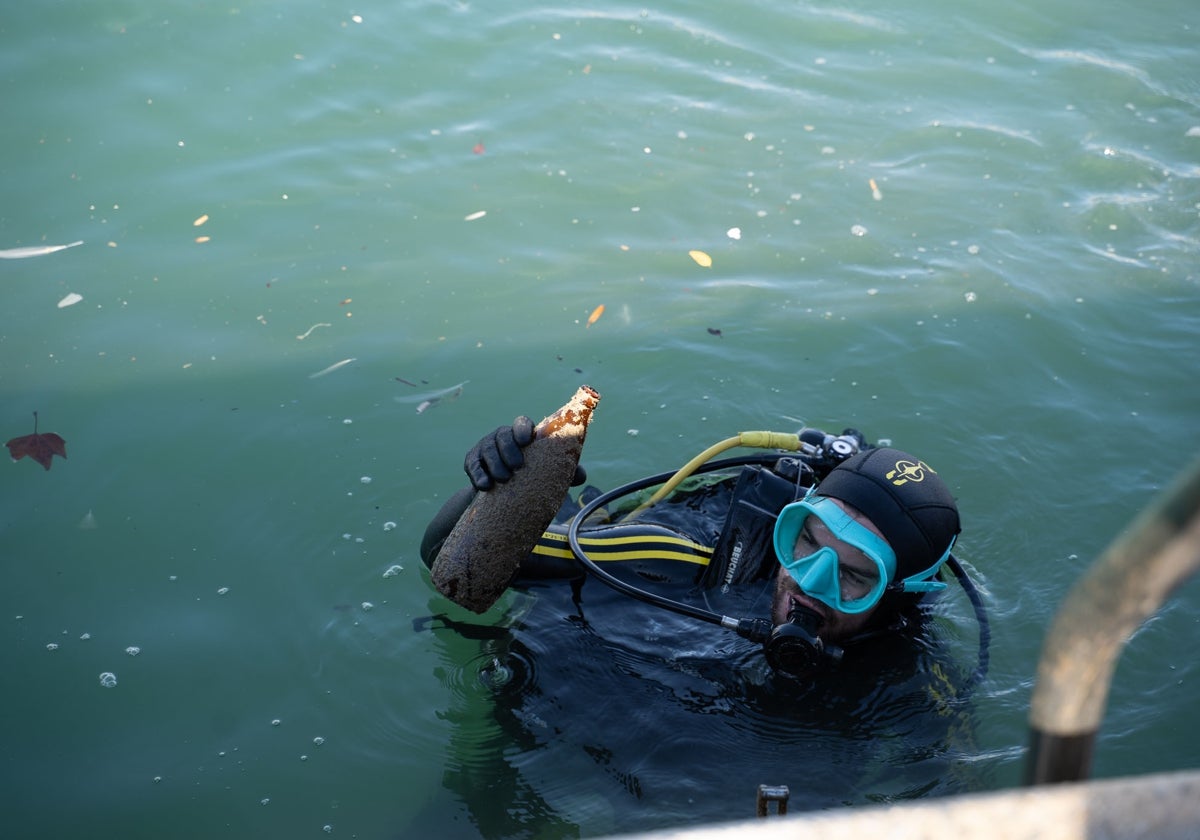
{"x":795,"y":649}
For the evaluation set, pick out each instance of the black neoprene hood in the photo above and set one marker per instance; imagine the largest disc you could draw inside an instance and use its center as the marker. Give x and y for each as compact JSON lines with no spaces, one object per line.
{"x":904,"y":498}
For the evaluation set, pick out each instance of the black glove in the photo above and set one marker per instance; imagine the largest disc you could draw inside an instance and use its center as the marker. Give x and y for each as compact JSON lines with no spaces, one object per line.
{"x":498,"y":455}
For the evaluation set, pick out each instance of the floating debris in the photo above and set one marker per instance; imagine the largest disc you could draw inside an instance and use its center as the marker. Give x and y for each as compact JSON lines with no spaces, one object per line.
{"x":875,"y":192}
{"x":702,"y":259}
{"x":734,"y":233}
{"x":70,"y":300}
{"x":478,"y":214}
{"x":35,"y":251}
{"x":428,"y":400}
{"x":715,"y":331}
{"x":331,"y":368}
{"x":308,"y":332}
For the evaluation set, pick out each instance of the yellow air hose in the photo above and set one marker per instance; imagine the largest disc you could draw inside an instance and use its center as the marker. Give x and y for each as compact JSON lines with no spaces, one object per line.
{"x":754,"y":440}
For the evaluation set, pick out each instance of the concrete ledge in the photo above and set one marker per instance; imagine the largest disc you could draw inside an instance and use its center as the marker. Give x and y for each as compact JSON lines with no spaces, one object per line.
{"x":1162,"y":806}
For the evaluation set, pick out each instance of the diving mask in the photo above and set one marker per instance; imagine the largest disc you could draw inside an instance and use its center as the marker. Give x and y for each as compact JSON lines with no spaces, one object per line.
{"x":849,"y":587}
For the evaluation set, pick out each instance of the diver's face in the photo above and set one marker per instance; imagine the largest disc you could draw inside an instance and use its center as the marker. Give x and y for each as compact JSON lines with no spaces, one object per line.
{"x":853,"y":565}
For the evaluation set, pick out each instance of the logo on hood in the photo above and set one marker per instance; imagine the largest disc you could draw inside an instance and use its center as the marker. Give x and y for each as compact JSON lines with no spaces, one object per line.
{"x":906,"y":471}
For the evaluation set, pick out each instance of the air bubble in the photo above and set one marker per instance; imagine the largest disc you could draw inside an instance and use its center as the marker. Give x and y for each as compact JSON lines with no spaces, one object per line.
{"x":108,"y":679}
{"x":133,"y":650}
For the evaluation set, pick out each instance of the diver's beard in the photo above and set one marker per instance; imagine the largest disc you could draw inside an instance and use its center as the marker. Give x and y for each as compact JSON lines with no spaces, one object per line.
{"x":788,"y":597}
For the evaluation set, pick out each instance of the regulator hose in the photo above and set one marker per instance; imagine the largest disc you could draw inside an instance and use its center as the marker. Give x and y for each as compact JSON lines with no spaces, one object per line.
{"x":754,"y":629}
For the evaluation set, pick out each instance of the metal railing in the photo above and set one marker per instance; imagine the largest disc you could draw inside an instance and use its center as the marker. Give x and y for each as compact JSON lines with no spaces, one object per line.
{"x":1127,"y":585}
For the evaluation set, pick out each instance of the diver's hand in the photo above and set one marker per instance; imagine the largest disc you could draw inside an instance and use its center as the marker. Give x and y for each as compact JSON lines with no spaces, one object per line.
{"x":498,"y":454}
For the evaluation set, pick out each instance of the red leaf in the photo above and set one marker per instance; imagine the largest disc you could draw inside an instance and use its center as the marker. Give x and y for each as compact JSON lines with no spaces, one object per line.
{"x":40,"y":447}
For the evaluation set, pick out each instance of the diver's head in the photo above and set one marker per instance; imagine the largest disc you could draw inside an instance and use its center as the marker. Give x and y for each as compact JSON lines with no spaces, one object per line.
{"x":872,"y":536}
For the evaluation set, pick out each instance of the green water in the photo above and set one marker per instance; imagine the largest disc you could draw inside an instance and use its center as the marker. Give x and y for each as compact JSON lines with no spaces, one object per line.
{"x":1019,"y":303}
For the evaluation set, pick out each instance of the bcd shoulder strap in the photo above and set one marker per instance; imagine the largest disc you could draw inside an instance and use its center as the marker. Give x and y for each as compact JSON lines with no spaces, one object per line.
{"x":744,"y":550}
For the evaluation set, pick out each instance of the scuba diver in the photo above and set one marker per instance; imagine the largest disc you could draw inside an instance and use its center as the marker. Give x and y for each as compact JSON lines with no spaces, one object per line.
{"x":630,"y":716}
{"x":854,"y":537}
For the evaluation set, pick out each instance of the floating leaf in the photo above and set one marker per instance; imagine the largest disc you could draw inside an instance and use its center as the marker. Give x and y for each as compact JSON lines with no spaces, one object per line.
{"x":701,"y":258}
{"x":595,"y":316}
{"x":714,"y":331}
{"x":200,"y":220}
{"x":40,"y":447}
